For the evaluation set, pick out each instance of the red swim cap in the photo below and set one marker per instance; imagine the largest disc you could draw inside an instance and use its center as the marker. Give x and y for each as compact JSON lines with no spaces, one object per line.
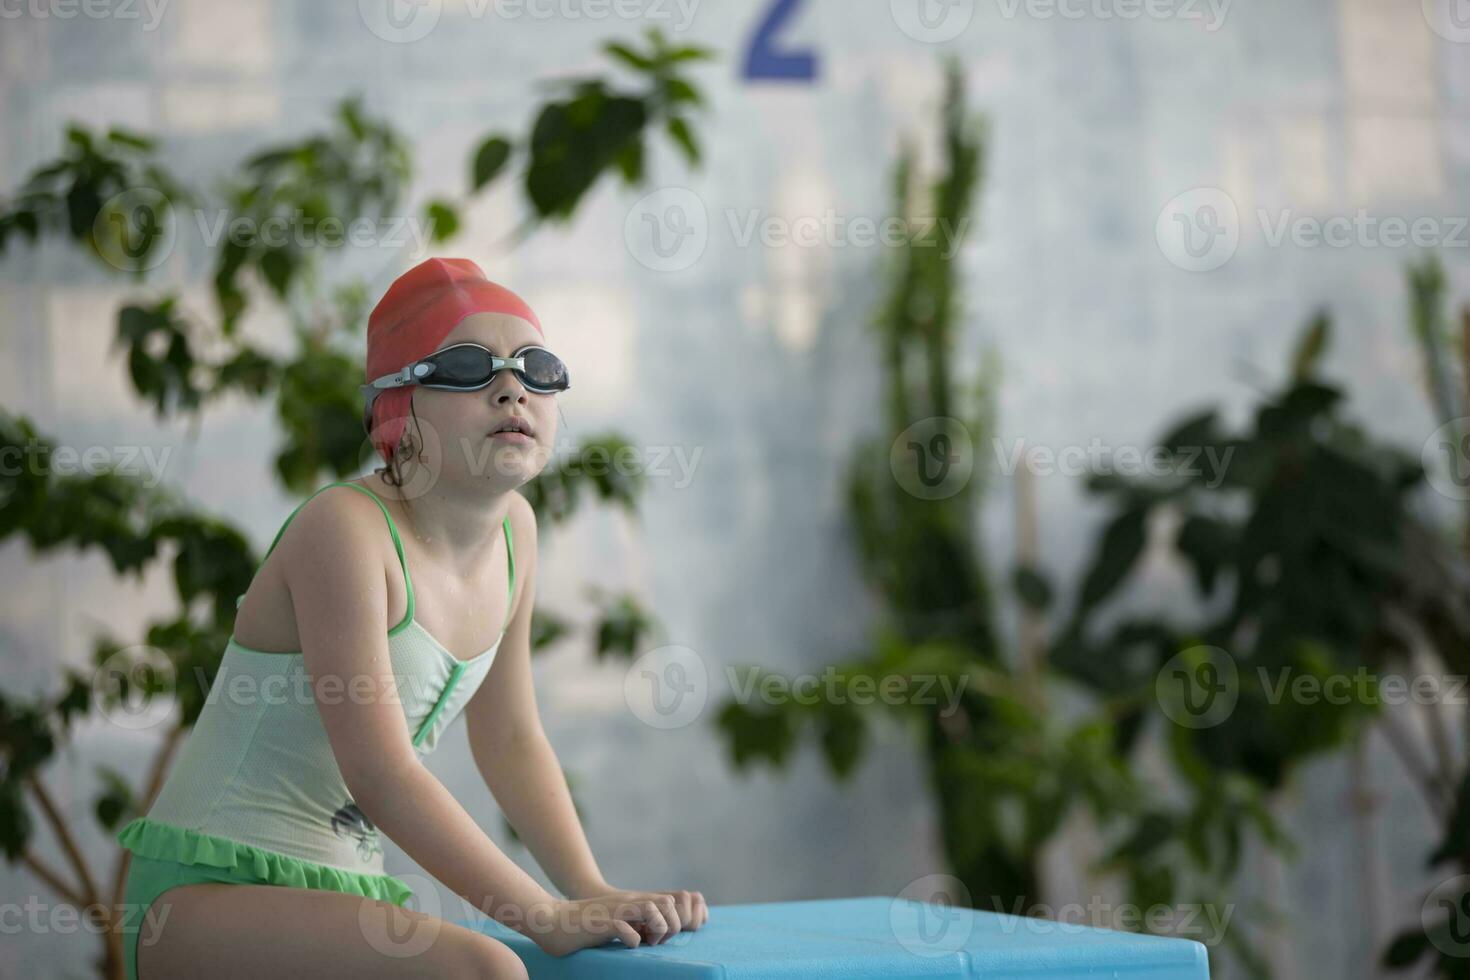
{"x":410,"y":322}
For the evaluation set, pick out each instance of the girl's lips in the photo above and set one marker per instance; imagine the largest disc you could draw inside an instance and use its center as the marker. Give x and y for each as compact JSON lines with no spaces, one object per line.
{"x":517,"y":437}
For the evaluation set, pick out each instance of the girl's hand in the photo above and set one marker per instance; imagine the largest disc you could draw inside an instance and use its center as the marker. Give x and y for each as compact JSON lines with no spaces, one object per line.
{"x":635,"y":917}
{"x":682,"y":910}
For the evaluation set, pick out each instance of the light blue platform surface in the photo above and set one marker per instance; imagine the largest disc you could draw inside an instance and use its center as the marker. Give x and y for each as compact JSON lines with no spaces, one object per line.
{"x":859,"y":938}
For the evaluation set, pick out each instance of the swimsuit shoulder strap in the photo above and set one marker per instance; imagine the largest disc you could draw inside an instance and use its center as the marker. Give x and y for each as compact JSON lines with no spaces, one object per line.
{"x":510,"y":555}
{"x":392,"y":529}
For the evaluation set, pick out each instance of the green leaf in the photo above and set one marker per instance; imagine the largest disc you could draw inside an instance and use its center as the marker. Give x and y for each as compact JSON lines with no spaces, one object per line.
{"x":679,"y":130}
{"x":279,"y":267}
{"x":1405,"y":949}
{"x":691,"y":53}
{"x":134,"y":140}
{"x":490,"y":159}
{"x":630,"y":162}
{"x":1311,"y":346}
{"x":678,"y":91}
{"x":1032,"y":587}
{"x":757,"y":736}
{"x":1456,"y":841}
{"x":1122,"y":543}
{"x":628,"y":56}
{"x":843,"y":737}
{"x":443,"y":220}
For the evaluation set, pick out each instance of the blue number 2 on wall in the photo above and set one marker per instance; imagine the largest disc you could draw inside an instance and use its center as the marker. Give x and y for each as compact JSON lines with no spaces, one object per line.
{"x":764,"y":60}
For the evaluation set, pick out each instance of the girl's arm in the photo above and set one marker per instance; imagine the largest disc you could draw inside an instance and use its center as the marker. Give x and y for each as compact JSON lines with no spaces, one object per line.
{"x":511,"y":749}
{"x":335,"y":570}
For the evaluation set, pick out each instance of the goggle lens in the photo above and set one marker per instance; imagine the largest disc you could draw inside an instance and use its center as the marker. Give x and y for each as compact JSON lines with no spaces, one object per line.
{"x":468,"y":366}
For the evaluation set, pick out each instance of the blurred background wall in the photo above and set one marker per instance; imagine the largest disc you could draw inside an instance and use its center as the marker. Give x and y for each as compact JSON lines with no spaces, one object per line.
{"x":759,"y":357}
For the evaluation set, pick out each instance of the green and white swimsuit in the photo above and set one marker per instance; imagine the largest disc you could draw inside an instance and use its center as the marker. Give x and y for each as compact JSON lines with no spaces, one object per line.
{"x":256,"y":790}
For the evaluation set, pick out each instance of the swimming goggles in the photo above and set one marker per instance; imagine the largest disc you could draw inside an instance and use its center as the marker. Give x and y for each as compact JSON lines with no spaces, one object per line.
{"x":470,"y":367}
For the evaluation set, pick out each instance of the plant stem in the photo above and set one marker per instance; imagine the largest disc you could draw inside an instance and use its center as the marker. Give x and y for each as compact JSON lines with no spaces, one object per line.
{"x":1403,"y":746}
{"x":68,"y":841}
{"x":53,"y":879}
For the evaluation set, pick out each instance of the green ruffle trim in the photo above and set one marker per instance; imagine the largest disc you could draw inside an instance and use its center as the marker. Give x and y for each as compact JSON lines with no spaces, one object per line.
{"x":166,"y":842}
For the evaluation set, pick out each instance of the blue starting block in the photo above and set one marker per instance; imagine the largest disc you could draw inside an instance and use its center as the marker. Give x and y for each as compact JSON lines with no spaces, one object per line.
{"x":871,"y":937}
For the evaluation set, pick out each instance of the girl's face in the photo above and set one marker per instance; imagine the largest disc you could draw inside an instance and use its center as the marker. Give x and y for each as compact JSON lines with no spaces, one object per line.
{"x":462,"y":422}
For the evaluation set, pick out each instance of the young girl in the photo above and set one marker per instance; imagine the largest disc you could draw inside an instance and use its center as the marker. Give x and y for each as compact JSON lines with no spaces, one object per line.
{"x":344,"y":670}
